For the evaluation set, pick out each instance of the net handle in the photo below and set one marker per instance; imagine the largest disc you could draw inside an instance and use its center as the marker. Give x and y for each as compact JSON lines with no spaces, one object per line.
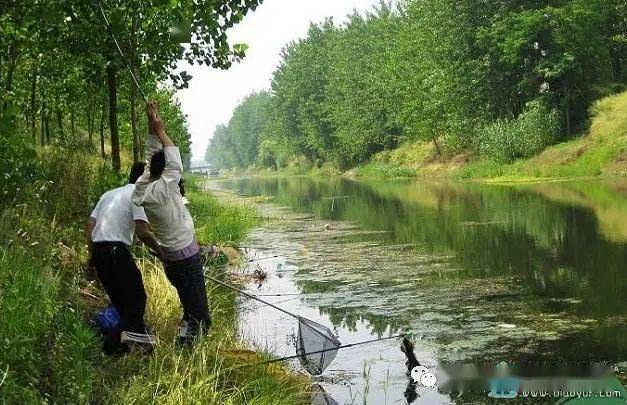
{"x":323,"y":351}
{"x":223,"y":284}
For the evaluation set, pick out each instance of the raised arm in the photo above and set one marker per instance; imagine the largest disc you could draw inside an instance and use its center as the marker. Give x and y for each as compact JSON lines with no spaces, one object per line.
{"x":173,"y":170}
{"x":154,"y":144}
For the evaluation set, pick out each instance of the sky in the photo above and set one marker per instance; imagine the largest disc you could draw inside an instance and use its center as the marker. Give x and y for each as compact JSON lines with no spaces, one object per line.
{"x":213,"y":94}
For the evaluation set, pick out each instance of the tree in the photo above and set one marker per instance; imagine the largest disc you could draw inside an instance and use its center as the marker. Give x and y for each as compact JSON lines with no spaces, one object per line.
{"x":237,"y":144}
{"x":56,"y":59}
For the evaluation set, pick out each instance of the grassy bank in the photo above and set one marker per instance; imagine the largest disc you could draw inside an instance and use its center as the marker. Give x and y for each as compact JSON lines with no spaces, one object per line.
{"x":601,"y":152}
{"x":48,"y":350}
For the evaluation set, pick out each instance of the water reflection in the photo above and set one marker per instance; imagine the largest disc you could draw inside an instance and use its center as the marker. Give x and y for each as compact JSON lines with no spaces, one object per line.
{"x":546,"y":253}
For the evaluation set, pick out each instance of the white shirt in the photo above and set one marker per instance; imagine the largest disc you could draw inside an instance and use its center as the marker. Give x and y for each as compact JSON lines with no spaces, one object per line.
{"x":115,"y":216}
{"x":170,"y":221}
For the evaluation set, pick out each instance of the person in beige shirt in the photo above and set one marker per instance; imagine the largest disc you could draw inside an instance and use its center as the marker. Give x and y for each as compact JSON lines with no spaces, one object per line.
{"x":158,"y":192}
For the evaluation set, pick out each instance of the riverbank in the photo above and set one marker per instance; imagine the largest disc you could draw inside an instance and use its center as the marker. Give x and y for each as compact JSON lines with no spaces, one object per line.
{"x":49,"y":352}
{"x":601,"y":152}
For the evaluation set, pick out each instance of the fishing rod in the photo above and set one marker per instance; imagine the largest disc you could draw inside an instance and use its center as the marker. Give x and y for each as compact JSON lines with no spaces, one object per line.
{"x":246,"y":247}
{"x":296,"y":356}
{"x":117,"y":45}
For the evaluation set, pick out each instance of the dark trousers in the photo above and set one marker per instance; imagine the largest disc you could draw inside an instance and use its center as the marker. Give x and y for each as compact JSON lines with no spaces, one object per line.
{"x":122,"y":281}
{"x":189,"y":280}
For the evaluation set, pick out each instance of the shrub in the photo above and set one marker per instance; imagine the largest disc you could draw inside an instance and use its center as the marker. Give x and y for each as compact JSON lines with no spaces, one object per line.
{"x":19,"y":166}
{"x":506,"y":140}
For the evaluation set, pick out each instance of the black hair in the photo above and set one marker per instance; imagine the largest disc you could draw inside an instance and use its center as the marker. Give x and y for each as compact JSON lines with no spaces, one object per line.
{"x":182,"y":187}
{"x":157,"y":164}
{"x":136,"y":171}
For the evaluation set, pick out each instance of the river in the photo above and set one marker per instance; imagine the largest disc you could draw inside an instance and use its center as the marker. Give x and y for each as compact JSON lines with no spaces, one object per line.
{"x":476,"y":272}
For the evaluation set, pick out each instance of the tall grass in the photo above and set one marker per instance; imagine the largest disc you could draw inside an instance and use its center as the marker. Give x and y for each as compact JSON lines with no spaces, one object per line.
{"x":46,"y":349}
{"x":215,"y":371}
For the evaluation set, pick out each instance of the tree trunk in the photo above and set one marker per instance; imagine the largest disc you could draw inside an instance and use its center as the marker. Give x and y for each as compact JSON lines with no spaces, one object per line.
{"x":90,"y":129}
{"x":33,"y":112}
{"x":43,"y":123}
{"x":91,"y":119}
{"x":73,"y":122}
{"x":567,"y":110}
{"x":136,"y":145}
{"x":47,"y":124}
{"x":60,"y":133}
{"x":113,"y":118}
{"x":437,"y":147}
{"x":11,"y":70}
{"x":102,"y":124}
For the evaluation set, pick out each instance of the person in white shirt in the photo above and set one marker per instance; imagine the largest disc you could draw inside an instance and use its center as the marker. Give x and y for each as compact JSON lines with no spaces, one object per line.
{"x":157,"y":190}
{"x":109,"y":233}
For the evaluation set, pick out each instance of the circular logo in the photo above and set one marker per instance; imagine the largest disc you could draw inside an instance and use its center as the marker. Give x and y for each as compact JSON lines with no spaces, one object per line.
{"x":422,"y":375}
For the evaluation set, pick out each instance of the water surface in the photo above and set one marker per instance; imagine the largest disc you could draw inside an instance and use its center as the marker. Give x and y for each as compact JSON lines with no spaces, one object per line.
{"x":478,"y":273}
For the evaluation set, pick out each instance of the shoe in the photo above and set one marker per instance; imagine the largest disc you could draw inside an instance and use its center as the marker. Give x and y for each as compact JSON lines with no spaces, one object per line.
{"x":188,"y":332}
{"x":185,"y":335}
{"x":145,"y":342}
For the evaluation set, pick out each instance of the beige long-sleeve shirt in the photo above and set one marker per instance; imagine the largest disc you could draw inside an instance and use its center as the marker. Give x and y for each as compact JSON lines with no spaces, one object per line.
{"x":169,"y":218}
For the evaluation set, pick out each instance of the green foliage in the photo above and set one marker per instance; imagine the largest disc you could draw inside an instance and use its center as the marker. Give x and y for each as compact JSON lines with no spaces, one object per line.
{"x":59,"y":66}
{"x":105,"y":179}
{"x":74,"y":358}
{"x":509,"y":139}
{"x":384,"y":171}
{"x":27,"y":307}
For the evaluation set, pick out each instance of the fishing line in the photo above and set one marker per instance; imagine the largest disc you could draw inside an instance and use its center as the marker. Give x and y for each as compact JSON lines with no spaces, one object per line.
{"x":246,"y":247}
{"x":117,"y":45}
{"x":262,"y":258}
{"x":296,"y":356}
{"x":251,"y":296}
{"x":278,"y":295}
{"x":258,"y":306}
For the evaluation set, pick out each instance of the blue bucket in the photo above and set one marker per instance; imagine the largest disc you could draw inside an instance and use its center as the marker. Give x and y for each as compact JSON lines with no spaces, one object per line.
{"x":107,"y":319}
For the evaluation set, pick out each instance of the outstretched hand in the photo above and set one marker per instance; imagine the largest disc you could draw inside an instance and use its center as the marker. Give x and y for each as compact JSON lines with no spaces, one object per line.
{"x":151,"y":110}
{"x":155,"y":123}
